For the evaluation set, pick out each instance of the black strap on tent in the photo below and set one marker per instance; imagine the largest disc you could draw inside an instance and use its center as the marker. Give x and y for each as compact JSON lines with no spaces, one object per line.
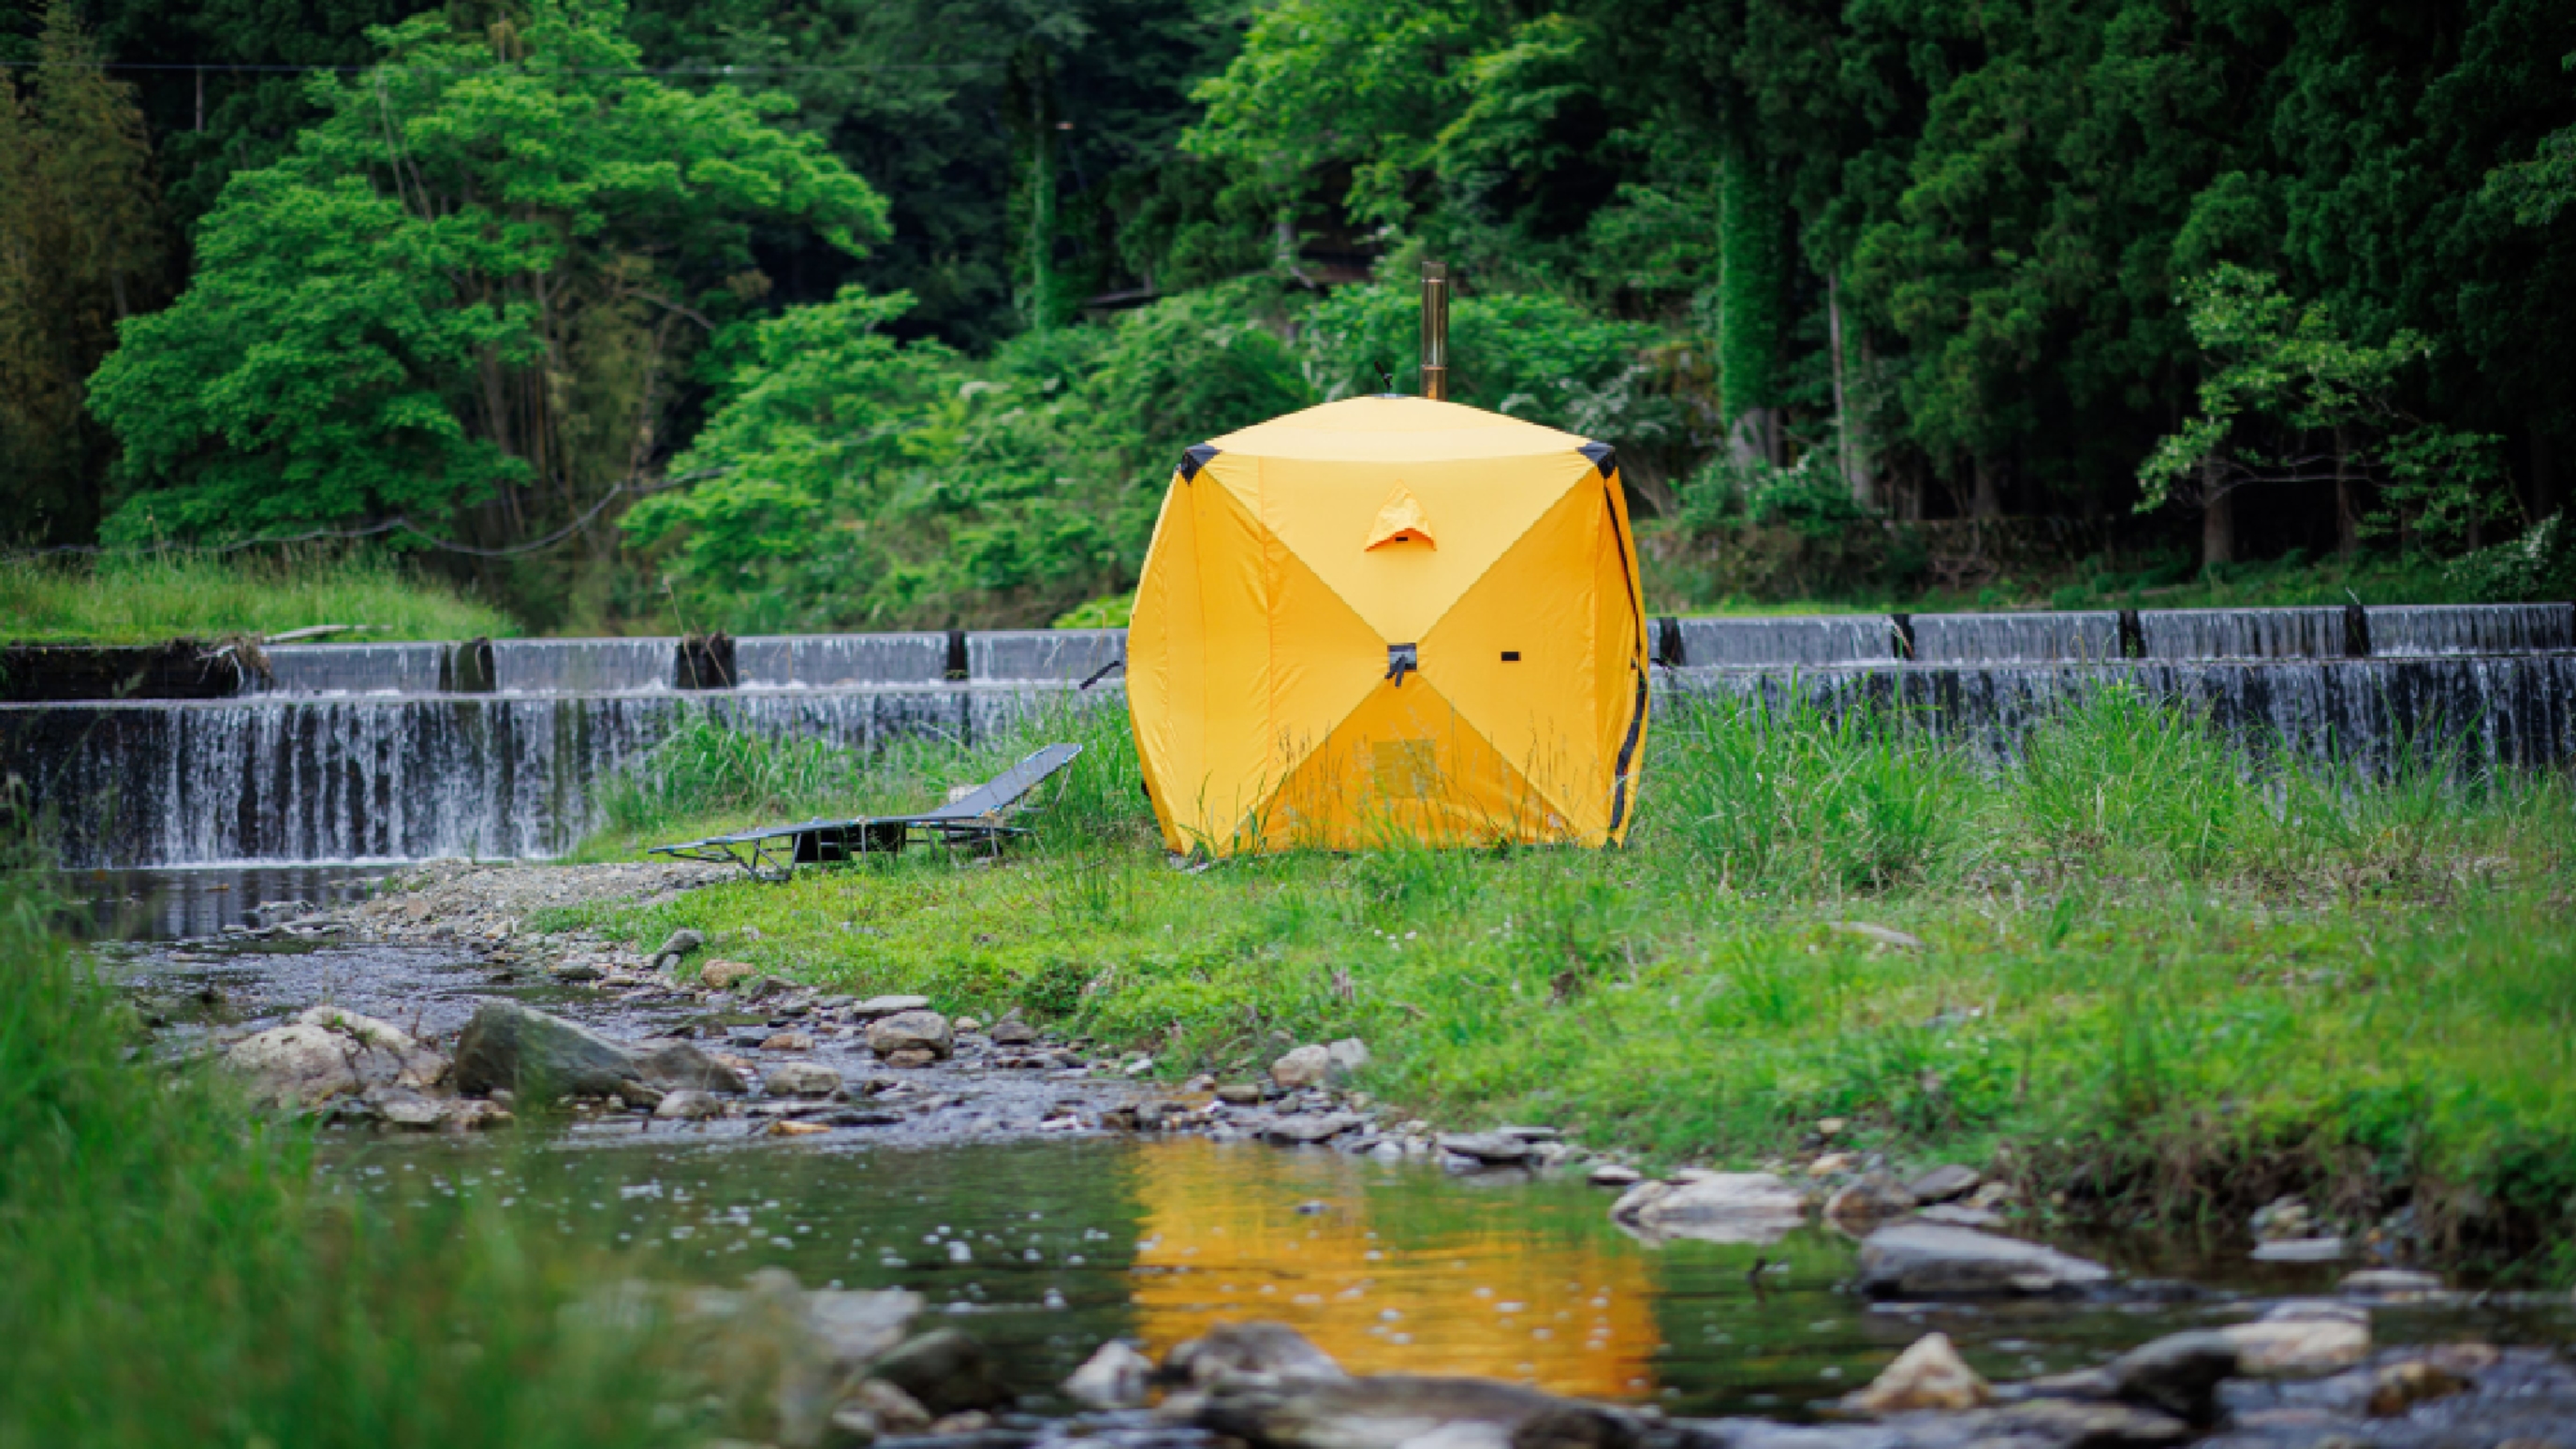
{"x":1401,"y":661}
{"x":1195,"y":458}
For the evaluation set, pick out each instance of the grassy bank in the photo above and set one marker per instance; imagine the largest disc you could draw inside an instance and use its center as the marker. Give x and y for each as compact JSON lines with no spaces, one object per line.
{"x":144,"y":598}
{"x":176,"y":1277}
{"x":2154,"y":976}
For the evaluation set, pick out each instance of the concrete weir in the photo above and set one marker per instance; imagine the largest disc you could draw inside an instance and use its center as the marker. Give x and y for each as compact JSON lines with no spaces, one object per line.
{"x":338,"y":752}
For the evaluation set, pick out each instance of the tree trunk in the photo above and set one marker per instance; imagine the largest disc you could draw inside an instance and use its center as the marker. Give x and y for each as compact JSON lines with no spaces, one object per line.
{"x":1853,"y":477}
{"x":2544,"y":473}
{"x":2347,"y":501}
{"x":2217,"y":524}
{"x":1984,"y":501}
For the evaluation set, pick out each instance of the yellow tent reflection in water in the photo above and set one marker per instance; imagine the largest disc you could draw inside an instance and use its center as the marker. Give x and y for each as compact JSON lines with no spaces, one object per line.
{"x":1449,"y":1281}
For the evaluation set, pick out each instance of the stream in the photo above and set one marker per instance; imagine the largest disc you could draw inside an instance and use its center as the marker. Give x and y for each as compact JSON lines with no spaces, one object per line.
{"x":1044,"y":1243}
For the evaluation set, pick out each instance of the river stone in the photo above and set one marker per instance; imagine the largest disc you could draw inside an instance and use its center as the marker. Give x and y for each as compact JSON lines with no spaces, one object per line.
{"x":1935,"y":1260}
{"x":725,"y":975}
{"x":1115,"y":1377}
{"x":2299,"y":1250}
{"x":1494,"y":1149}
{"x":2391,"y":1283}
{"x":1942,"y":1184}
{"x":1345,"y":1059}
{"x":894,"y":1411}
{"x":1930,"y":1375}
{"x":2301,"y":1338}
{"x":946,"y":1370}
{"x":1389,"y":1411}
{"x":1717,"y":1207}
{"x":678,"y":944}
{"x":678,"y":1065}
{"x":876,"y":1006}
{"x":327,"y":1052}
{"x":2177,"y":1374}
{"x":800,"y":1079}
{"x":688,"y":1105}
{"x":1875,"y":1197}
{"x":1307,"y":1066}
{"x":788,"y":1041}
{"x":1611,"y":1174}
{"x":536,"y":1055}
{"x":2073,"y":1424}
{"x":911,"y":1031}
{"x":1312,"y":1128}
{"x":1011,"y":1031}
{"x":1259,"y":1351}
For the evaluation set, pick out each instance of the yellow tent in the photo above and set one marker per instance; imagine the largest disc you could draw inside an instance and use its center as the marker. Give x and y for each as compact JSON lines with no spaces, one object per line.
{"x":1390,"y":618}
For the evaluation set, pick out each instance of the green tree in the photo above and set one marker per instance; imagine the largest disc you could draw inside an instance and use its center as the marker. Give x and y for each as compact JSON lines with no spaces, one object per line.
{"x":82,"y":247}
{"x":467,"y":298}
{"x":2291,"y":399}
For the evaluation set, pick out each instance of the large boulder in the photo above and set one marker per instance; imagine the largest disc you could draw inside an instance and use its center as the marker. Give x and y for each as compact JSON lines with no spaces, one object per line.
{"x":1717,"y":1207}
{"x":784,"y":1356}
{"x":911,"y":1031}
{"x":1936,"y":1260}
{"x":540,"y":1057}
{"x":800,"y":1079}
{"x":2301,"y":1338}
{"x":1115,"y":1377}
{"x":327,"y":1052}
{"x":1307,"y":1066}
{"x":946,"y":1370}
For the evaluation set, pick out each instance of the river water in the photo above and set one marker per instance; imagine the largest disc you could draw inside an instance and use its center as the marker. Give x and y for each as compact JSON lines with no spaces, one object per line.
{"x":1044,"y":1245}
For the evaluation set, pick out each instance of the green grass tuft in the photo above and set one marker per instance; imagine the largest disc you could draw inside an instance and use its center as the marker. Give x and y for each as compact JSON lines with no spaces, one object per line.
{"x":145,"y":598}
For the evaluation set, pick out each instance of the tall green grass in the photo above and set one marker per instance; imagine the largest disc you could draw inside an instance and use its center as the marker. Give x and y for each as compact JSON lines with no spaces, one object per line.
{"x":141,"y":598}
{"x":175,"y":1276}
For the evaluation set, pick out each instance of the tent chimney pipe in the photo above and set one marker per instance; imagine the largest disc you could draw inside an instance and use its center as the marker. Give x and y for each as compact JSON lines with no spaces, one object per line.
{"x":1435,"y":331}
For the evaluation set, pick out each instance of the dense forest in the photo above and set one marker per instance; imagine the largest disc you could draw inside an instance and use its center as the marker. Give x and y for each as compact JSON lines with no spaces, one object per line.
{"x":870,"y":313}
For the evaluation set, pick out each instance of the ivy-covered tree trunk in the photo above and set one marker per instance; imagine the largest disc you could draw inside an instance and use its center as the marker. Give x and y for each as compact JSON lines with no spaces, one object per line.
{"x":1752,"y":283}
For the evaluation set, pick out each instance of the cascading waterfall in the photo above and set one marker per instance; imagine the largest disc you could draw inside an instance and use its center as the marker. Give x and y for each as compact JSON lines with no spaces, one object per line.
{"x":355,"y":752}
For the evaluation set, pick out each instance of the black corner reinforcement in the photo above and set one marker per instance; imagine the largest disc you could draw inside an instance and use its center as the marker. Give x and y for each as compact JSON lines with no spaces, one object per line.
{"x":1603,"y":456}
{"x":1195,"y":458}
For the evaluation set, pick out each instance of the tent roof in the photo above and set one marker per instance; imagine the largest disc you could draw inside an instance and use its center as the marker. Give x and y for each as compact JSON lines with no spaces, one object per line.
{"x":1395,"y":430}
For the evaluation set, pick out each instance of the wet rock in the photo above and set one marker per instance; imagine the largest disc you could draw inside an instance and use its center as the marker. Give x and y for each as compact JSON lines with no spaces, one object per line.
{"x":2281,"y":1218}
{"x":726,"y":975}
{"x":1832,"y":1163}
{"x":1312,"y":1128}
{"x":1493,"y":1149}
{"x":1389,"y":1411}
{"x":788,"y":1041}
{"x":678,"y":1066}
{"x":2299,"y":1250}
{"x":2075,"y":1424}
{"x":2302,"y":1338}
{"x":327,"y":1052}
{"x":781,"y":1354}
{"x":1936,"y":1260}
{"x":911,"y":1031}
{"x":405,"y":1108}
{"x":911,"y":1057}
{"x":785,"y":1127}
{"x":801,"y":1079}
{"x":1961,"y":1217}
{"x":578,"y":971}
{"x":676,"y":945}
{"x":946,"y":1370}
{"x":473,"y":1115}
{"x":541,"y":1056}
{"x":1875,"y":1198}
{"x":1930,"y":1375}
{"x":894,"y":1411}
{"x":2398,"y":1387}
{"x":2397,"y":1284}
{"x":1718,"y":1207}
{"x":2177,"y":1374}
{"x":1943,"y":1184}
{"x":1239,"y":1094}
{"x":965,"y":1024}
{"x":687,"y":1105}
{"x":1611,"y":1174}
{"x":1011,"y":1031}
{"x":876,"y":1006}
{"x":1307,"y":1066}
{"x":1259,"y":1351}
{"x":1115,"y":1377}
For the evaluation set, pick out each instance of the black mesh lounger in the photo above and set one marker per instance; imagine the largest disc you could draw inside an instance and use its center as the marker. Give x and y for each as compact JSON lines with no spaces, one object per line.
{"x":775,"y":851}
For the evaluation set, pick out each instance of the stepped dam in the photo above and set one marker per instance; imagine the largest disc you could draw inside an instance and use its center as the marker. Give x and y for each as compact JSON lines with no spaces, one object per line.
{"x":390,"y":752}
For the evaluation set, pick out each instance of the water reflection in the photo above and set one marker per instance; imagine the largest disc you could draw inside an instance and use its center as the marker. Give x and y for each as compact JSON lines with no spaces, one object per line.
{"x":197,"y":901}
